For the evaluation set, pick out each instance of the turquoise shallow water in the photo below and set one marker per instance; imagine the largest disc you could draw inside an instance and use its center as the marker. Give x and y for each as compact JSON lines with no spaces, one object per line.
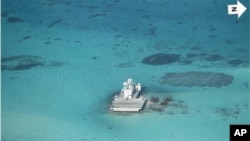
{"x":62,"y":61}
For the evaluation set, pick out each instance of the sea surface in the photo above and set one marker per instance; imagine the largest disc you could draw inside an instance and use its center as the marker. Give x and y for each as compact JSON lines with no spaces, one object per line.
{"x":62,"y":61}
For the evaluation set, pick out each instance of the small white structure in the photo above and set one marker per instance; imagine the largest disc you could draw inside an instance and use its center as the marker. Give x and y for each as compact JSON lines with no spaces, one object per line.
{"x":129,"y":89}
{"x":129,"y":98}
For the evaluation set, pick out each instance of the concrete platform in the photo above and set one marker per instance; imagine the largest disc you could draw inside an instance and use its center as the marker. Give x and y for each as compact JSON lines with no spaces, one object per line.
{"x":128,"y":105}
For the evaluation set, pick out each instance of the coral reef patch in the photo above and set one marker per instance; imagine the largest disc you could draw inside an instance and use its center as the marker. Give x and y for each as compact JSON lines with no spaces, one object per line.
{"x":167,"y":105}
{"x":25,"y":62}
{"x":234,"y":62}
{"x":160,"y":59}
{"x":228,"y":112}
{"x":54,"y":23}
{"x":154,"y":99}
{"x":196,"y":78}
{"x":14,"y":20}
{"x":191,"y":55}
{"x":214,"y":57}
{"x":4,"y":14}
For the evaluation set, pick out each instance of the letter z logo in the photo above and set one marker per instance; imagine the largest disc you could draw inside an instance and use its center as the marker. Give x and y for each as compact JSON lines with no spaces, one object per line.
{"x":234,"y":9}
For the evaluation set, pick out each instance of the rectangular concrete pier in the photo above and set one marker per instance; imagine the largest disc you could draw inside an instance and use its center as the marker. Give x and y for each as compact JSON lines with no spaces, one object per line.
{"x":128,"y":105}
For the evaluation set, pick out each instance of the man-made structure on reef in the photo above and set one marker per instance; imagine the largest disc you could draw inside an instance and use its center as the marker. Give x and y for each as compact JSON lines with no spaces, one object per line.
{"x":129,"y":99}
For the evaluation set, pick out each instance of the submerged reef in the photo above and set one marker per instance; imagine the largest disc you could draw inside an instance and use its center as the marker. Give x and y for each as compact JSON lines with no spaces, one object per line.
{"x":167,"y":105}
{"x":25,"y":62}
{"x":196,"y":78}
{"x":159,"y":105}
{"x":234,"y":62}
{"x":160,"y":59}
{"x":14,"y":19}
{"x":154,"y":99}
{"x":214,"y":57}
{"x":228,"y":112}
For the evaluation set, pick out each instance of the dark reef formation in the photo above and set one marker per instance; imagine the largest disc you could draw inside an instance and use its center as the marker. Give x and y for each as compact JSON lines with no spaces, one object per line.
{"x":214,"y":57}
{"x":25,"y":62}
{"x":4,"y":14}
{"x":160,"y":59}
{"x":160,"y":105}
{"x":212,"y":60}
{"x":191,"y":55}
{"x":154,"y":99}
{"x":14,"y":19}
{"x":196,"y":78}
{"x":234,"y":62}
{"x":167,"y":105}
{"x":228,"y":112}
{"x":166,"y":100}
{"x":54,"y":23}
